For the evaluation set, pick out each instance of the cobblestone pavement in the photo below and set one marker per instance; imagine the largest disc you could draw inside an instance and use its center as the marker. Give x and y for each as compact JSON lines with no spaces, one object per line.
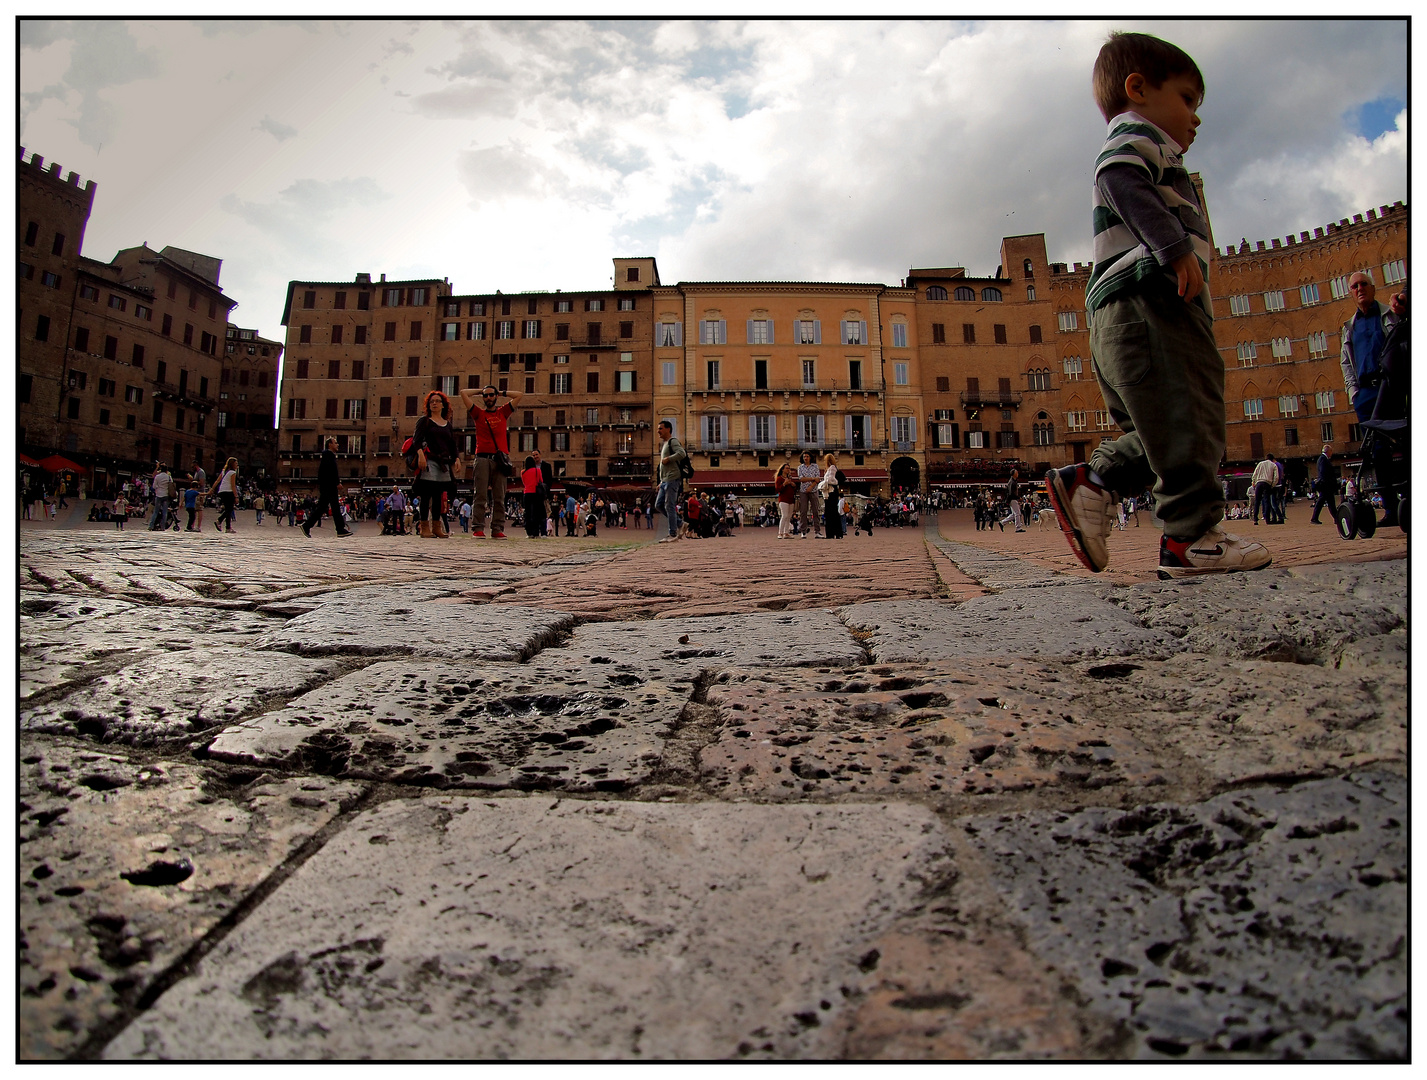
{"x":933,"y":794}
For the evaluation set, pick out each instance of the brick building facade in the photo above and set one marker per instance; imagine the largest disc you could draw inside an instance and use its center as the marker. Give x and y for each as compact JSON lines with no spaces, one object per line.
{"x":247,"y":397}
{"x":945,"y":380}
{"x":363,"y":356}
{"x":119,"y":361}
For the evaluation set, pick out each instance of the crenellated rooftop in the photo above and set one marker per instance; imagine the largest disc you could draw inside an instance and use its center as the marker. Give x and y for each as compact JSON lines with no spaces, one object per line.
{"x":1397,"y":210}
{"x":36,"y":165}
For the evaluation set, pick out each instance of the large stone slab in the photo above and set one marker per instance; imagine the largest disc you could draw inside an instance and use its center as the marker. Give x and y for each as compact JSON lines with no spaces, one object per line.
{"x":1304,"y":615}
{"x":1242,"y":721}
{"x":982,"y":727}
{"x":456,"y":631}
{"x":480,"y":725}
{"x":998,"y":571}
{"x":60,"y":637}
{"x":1026,"y":622}
{"x":526,"y":928}
{"x":684,"y":647}
{"x":163,"y":696}
{"x":1266,"y":922}
{"x":93,"y":940}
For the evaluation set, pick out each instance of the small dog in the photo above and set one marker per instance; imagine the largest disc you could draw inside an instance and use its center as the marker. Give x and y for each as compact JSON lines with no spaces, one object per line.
{"x":1047,"y":518}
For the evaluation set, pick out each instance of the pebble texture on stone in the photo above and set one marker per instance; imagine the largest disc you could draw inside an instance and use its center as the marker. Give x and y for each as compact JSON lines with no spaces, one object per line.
{"x":163,"y":696}
{"x":1239,"y":721}
{"x":982,"y":727}
{"x":534,"y":928}
{"x":792,"y":639}
{"x":125,"y":864}
{"x":1264,"y":922}
{"x":455,"y":631}
{"x":473,"y":725}
{"x":1285,"y":615}
{"x":998,"y":571}
{"x":766,"y":854}
{"x":1027,"y":622}
{"x":61,"y":637}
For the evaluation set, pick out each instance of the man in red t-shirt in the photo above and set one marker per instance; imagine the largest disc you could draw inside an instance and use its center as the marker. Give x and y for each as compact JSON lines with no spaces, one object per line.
{"x":489,"y":427}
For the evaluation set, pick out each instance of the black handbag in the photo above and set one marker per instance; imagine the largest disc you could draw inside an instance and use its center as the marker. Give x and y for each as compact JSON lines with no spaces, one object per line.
{"x":501,"y":458}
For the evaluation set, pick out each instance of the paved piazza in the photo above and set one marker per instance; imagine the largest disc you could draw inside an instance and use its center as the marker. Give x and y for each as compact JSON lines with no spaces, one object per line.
{"x":931,"y":794}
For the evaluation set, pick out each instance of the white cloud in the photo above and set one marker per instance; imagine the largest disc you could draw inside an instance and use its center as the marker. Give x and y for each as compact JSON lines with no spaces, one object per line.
{"x":527,"y":153}
{"x":276,"y":129}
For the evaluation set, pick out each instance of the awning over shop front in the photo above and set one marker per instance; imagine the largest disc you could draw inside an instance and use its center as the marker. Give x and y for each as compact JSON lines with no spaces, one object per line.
{"x":57,"y":463}
{"x":29,"y":463}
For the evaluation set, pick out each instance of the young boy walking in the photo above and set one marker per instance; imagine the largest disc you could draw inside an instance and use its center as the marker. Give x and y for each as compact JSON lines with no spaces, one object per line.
{"x":1151,"y":324}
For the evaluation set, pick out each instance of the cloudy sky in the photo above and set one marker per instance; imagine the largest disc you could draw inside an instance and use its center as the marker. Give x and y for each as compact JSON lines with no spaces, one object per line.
{"x":525,"y":155}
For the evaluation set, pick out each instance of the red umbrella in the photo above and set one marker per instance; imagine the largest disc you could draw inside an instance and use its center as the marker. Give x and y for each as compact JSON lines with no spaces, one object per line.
{"x":58,"y":463}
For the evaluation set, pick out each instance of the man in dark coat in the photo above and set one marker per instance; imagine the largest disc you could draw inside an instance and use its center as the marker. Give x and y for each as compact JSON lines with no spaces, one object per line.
{"x":1327,"y":485}
{"x":327,"y":492}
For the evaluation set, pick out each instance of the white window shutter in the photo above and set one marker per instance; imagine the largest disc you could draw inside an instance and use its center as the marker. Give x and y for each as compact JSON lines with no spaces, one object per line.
{"x":820,"y":431}
{"x":752,"y":430}
{"x":843,"y":330}
{"x":678,"y":333}
{"x":847,"y":426}
{"x":749,"y":338}
{"x":863,"y":326}
{"x":722,"y":332}
{"x":817,"y":331}
{"x":770,"y":331}
{"x":913,"y":430}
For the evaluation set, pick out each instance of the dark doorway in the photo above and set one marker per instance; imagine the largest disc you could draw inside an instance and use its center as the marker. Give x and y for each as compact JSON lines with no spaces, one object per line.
{"x":906,"y":474}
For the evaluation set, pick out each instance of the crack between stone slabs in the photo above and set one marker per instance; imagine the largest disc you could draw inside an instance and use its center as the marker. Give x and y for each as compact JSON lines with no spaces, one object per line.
{"x":105,"y":1033}
{"x":105,"y":665}
{"x":341,"y":669}
{"x":695,"y":728}
{"x":860,"y":634}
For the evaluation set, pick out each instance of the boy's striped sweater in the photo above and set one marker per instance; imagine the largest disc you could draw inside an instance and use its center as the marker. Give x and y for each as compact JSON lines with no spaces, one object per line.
{"x":1122,"y":258}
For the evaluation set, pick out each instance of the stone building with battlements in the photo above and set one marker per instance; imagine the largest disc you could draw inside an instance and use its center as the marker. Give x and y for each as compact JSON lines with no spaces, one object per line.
{"x":947,"y":380}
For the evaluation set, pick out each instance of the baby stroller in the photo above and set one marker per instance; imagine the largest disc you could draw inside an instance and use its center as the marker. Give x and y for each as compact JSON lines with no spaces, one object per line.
{"x":1382,"y":440}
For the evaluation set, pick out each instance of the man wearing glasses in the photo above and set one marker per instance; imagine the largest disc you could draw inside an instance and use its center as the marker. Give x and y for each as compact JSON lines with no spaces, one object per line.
{"x":1363,"y":337}
{"x":491,"y":439}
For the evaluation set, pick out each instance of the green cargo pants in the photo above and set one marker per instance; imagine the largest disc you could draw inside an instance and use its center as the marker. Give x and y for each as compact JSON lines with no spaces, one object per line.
{"x":1162,"y":378}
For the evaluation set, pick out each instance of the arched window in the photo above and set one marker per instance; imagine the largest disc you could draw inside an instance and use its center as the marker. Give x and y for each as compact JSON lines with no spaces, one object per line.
{"x":1030,"y":270}
{"x":963,"y":293}
{"x":1030,"y":292}
{"x":991,"y":296}
{"x":1038,"y":379}
{"x":936,"y":292}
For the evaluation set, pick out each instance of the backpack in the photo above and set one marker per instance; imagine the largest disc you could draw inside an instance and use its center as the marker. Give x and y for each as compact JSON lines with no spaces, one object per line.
{"x":686,"y":468}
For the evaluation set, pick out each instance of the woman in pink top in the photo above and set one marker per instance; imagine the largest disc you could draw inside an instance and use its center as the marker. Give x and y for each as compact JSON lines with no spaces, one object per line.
{"x":532,"y":479}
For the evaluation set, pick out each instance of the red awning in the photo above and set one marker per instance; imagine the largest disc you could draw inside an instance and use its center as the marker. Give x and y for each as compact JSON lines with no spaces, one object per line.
{"x":58,"y":463}
{"x":30,"y":462}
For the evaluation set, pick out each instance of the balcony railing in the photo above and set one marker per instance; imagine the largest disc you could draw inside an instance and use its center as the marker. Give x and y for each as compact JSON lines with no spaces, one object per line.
{"x":789,"y":386}
{"x":998,"y":399}
{"x":870,"y":446}
{"x":168,"y":391}
{"x":630,"y":466}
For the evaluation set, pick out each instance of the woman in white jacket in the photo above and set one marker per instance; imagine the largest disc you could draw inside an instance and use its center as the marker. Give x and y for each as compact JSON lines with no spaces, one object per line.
{"x":832,"y":514}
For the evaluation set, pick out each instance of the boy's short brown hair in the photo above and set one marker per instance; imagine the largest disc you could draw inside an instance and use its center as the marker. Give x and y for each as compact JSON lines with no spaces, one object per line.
{"x":1126,"y":54}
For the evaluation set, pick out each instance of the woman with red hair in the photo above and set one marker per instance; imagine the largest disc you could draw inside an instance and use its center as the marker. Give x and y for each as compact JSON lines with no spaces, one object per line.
{"x":435,"y":445}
